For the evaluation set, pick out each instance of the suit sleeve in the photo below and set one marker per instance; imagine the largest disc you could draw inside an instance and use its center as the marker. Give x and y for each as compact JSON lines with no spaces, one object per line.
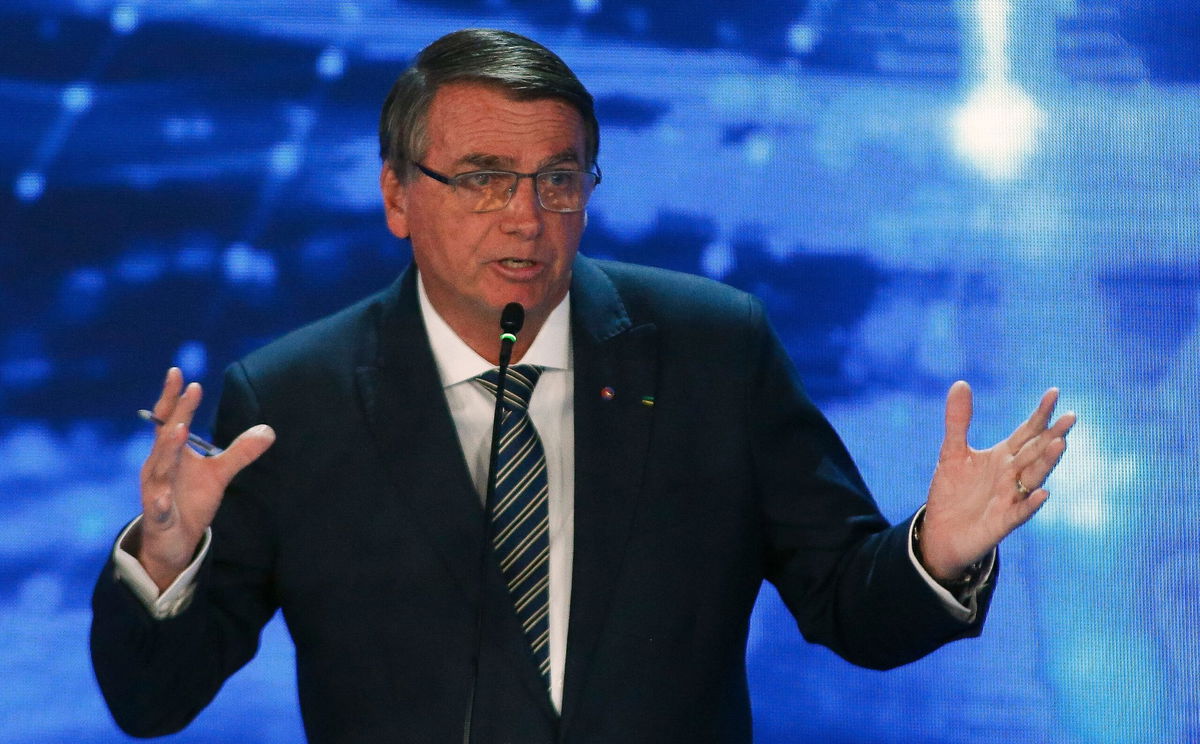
{"x":843,"y":572}
{"x":157,"y":675}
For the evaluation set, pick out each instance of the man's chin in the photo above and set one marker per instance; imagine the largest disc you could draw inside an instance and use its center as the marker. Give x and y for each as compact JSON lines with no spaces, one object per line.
{"x":536,"y":301}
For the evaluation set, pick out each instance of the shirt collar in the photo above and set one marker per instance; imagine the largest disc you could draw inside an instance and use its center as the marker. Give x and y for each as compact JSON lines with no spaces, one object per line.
{"x":457,"y":362}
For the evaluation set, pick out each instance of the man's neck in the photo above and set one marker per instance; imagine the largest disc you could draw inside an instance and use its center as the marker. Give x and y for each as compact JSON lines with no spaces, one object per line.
{"x":482,"y":335}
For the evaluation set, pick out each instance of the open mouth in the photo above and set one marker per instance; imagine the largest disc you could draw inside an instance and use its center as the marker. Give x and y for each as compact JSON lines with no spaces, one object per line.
{"x":517,"y":263}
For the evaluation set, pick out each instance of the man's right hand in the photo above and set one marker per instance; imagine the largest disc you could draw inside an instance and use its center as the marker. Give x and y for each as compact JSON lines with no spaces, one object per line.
{"x":181,"y":489}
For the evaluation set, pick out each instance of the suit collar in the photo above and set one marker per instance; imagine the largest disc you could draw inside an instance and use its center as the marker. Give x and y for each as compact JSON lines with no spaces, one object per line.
{"x":600,"y":313}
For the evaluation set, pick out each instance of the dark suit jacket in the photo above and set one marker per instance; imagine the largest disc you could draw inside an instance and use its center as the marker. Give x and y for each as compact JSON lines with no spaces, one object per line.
{"x":361,"y":523}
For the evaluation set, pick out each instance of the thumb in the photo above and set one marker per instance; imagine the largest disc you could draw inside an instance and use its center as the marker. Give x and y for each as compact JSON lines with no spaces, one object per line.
{"x":247,"y":448}
{"x":958,"y":419}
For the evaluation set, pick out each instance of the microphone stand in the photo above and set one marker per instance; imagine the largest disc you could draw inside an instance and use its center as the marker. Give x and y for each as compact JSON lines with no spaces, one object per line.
{"x":511,"y":320}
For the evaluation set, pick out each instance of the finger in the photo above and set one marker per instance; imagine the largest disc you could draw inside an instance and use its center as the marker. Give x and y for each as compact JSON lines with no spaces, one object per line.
{"x":1035,"y":424}
{"x":189,"y":401}
{"x":1050,"y":458}
{"x":163,"y":408}
{"x":1041,"y":415}
{"x":1038,"y":462}
{"x":1025,"y":509}
{"x":958,"y":420}
{"x":159,"y":470}
{"x":1064,"y":424}
{"x":172,"y":385}
{"x":164,"y":454}
{"x":247,"y":448}
{"x":163,"y":451}
{"x":1032,"y":448}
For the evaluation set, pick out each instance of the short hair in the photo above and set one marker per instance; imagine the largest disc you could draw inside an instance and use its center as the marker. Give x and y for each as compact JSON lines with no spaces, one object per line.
{"x":523,"y":68}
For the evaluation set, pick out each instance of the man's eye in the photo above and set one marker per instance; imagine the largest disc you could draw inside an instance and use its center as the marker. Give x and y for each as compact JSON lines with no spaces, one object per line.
{"x":476,"y":180}
{"x":558,"y":179}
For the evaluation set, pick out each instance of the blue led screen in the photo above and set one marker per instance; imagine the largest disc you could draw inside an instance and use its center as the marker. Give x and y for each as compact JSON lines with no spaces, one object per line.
{"x":1004,"y":191}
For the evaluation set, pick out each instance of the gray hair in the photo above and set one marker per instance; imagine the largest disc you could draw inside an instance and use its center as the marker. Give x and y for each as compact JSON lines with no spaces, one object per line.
{"x":523,"y":68}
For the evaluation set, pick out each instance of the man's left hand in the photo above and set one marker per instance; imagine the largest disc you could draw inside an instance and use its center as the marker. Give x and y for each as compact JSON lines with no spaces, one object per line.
{"x":977,"y":497}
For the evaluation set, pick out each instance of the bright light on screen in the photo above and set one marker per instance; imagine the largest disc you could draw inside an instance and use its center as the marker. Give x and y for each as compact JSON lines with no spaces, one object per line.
{"x":997,"y":190}
{"x":997,"y":127}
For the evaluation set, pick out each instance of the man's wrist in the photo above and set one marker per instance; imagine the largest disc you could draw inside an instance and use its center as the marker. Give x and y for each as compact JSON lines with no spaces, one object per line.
{"x":967,"y":578}
{"x":160,"y":602}
{"x":163,"y":573}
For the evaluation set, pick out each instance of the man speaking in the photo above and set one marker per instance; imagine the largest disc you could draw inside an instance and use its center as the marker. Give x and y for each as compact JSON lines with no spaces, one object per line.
{"x":657,"y":460}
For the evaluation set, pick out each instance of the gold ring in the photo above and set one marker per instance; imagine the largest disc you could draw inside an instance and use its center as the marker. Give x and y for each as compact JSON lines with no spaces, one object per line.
{"x":1022,"y":487}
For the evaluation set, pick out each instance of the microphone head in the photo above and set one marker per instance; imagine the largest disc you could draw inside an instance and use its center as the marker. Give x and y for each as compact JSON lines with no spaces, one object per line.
{"x":512,"y":318}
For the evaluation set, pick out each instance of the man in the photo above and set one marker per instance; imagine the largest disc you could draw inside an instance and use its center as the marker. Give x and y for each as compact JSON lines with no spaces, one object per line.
{"x":679,"y":464}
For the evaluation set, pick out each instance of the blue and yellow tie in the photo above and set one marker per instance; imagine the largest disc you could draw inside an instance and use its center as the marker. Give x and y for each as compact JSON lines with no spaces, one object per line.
{"x":521,"y":516}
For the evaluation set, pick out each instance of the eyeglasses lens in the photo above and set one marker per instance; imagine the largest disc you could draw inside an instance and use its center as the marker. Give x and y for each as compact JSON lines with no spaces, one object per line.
{"x":557,"y":191}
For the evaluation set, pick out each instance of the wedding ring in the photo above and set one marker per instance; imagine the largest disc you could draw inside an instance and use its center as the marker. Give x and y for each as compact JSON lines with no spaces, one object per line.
{"x":1024,"y":490}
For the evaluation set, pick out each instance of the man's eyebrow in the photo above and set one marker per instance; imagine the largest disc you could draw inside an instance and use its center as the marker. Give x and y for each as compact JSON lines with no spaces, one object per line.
{"x":568,"y":155}
{"x":485,"y":160}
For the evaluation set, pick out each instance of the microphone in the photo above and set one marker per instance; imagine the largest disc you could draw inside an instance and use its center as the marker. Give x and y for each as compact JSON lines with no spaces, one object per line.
{"x":512,"y":318}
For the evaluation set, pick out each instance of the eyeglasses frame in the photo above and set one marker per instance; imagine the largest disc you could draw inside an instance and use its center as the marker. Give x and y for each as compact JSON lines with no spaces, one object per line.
{"x":452,"y":182}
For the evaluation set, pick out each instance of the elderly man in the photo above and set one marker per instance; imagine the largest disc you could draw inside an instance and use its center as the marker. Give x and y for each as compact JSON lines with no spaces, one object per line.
{"x":659,"y":460}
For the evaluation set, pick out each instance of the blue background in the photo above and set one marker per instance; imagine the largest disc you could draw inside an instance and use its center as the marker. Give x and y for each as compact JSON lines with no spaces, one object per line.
{"x":999,"y":190}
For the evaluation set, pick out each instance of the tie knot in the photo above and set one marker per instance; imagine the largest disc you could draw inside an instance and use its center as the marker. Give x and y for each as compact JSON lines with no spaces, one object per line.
{"x":518,"y":388}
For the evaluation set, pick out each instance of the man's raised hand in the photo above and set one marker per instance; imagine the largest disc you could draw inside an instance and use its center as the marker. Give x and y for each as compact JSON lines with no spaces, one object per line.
{"x":181,"y":489}
{"x":977,"y":497}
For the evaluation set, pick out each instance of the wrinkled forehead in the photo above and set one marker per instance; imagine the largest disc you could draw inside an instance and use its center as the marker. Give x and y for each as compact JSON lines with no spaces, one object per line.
{"x":485,"y":126}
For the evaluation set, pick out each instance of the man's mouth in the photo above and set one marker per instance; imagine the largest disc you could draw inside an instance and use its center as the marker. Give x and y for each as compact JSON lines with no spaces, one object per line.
{"x":517,"y":263}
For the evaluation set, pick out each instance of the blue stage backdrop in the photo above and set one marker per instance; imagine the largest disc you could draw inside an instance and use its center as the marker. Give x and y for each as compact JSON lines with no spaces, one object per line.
{"x":999,"y":190}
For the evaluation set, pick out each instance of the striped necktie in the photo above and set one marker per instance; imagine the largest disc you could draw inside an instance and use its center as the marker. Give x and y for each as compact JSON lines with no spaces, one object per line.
{"x":521,"y":517}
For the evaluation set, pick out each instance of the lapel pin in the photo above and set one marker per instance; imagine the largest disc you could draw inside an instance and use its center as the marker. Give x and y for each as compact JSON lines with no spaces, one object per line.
{"x":607,"y":393}
{"x":648,"y":401}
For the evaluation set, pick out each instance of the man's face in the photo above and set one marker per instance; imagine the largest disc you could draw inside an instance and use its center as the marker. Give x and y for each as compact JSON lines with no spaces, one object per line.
{"x":473,"y":264}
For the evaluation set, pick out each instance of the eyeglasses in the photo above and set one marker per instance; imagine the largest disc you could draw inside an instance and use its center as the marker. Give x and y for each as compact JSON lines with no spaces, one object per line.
{"x":490,"y":190}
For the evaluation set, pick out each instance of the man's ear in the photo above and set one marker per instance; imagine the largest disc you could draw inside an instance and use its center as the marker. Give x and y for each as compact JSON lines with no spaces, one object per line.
{"x":395,"y":201}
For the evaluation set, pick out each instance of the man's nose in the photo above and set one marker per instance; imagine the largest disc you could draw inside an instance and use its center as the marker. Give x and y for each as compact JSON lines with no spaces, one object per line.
{"x":524,"y":212}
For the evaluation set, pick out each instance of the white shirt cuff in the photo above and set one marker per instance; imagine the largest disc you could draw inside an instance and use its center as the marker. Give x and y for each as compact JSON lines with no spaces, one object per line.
{"x":966,"y":606}
{"x":177,"y":596}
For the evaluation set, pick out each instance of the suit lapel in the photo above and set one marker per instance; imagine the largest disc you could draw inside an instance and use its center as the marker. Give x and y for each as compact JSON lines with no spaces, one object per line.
{"x":406,"y":411}
{"x":612,"y":434}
